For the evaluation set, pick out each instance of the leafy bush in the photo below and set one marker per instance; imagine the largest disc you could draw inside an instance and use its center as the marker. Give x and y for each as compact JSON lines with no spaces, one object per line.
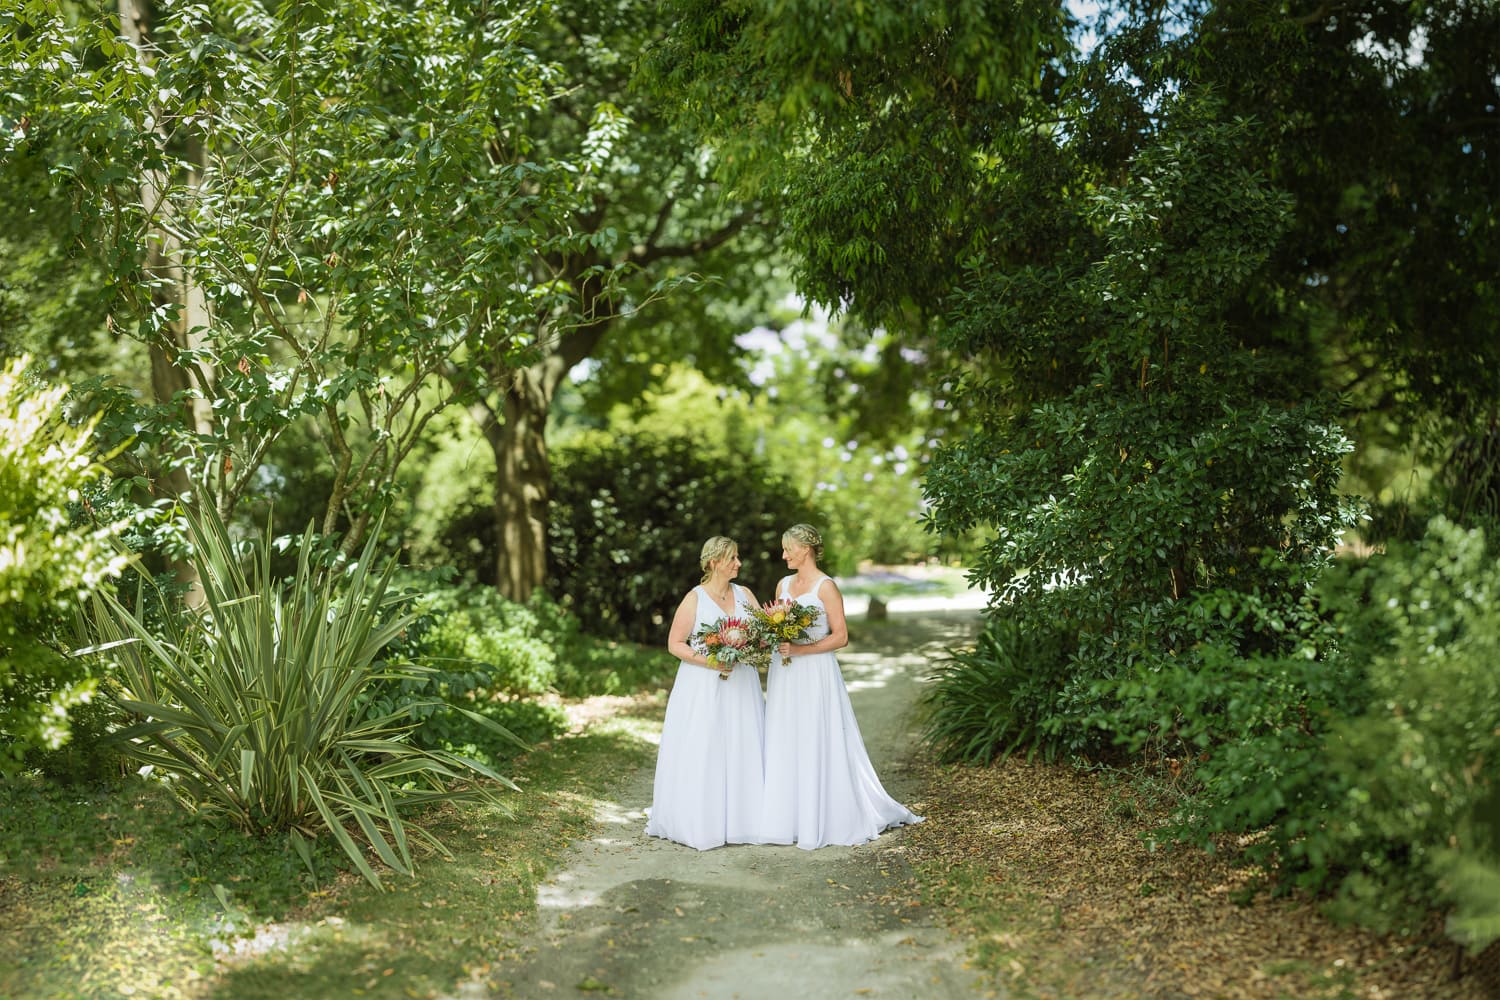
{"x":1361,"y":759}
{"x":493,"y":657}
{"x":830,"y":426}
{"x":255,"y":706}
{"x":990,"y":701}
{"x":629,"y":516}
{"x":515,"y":646}
{"x":1155,"y":458}
{"x":515,"y":650}
{"x":49,"y":563}
{"x":1418,"y":817}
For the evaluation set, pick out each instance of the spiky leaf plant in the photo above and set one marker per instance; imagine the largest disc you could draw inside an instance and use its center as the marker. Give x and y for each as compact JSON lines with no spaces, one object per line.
{"x":255,"y":706}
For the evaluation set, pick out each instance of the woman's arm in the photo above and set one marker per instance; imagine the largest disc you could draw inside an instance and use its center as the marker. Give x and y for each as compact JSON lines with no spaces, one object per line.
{"x":682,"y":628}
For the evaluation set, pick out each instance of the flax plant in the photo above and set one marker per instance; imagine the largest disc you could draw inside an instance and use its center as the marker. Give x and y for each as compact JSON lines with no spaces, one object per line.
{"x":256,"y":705}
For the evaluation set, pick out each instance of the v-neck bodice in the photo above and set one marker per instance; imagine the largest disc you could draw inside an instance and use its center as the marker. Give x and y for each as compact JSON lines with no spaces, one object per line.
{"x":710,"y":610}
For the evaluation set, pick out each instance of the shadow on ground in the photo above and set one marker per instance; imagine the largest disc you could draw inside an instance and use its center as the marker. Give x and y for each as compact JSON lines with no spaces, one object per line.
{"x":634,"y":916}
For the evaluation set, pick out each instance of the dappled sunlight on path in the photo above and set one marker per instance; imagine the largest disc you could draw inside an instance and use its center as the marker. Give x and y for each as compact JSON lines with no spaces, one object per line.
{"x":642,"y":917}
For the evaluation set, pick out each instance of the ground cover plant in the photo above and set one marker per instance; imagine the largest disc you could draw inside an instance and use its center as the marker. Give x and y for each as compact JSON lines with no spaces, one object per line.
{"x":111,"y":888}
{"x":254,"y":709}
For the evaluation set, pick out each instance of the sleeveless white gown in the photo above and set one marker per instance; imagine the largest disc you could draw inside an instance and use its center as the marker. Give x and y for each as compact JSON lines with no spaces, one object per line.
{"x":820,"y":785}
{"x":709,"y":768}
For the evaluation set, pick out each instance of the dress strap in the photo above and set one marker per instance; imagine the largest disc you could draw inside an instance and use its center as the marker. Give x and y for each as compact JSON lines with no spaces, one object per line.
{"x":786,"y":585}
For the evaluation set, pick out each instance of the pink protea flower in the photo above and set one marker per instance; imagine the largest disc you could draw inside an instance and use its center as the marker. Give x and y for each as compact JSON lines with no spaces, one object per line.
{"x":734,"y":633}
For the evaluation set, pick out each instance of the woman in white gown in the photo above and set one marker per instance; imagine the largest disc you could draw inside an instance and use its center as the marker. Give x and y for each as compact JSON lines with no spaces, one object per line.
{"x":820,"y":786}
{"x":709,"y":766}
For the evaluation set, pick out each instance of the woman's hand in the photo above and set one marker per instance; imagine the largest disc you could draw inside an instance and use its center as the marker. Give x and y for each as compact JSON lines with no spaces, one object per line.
{"x":785,"y":649}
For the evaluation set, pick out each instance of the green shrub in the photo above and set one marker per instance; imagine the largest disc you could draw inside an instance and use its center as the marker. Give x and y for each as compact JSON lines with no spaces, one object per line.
{"x":1360,"y":760}
{"x":629,"y":516}
{"x":475,"y":640}
{"x":493,"y":657}
{"x":514,"y":646}
{"x":482,"y":653}
{"x":49,"y":563}
{"x":989,"y":701}
{"x":1129,"y":452}
{"x":255,"y":707}
{"x":1418,"y":817}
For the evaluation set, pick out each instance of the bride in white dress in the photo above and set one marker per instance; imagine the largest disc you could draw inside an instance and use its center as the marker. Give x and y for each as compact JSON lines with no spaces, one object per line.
{"x":820,"y":787}
{"x":709,"y":767}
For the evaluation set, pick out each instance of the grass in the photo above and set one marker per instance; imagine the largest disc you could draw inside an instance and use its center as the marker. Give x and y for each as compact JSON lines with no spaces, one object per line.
{"x":117,"y":892}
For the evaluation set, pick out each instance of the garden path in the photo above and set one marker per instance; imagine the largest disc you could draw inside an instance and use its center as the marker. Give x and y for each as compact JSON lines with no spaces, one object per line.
{"x":632,"y":916}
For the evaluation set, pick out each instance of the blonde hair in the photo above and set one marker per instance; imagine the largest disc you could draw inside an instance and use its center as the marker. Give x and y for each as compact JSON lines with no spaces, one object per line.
{"x":805,"y":534}
{"x":715,"y":549}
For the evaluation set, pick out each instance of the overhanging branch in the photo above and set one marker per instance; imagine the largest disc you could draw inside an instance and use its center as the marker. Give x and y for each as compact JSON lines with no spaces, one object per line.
{"x":649,"y":252}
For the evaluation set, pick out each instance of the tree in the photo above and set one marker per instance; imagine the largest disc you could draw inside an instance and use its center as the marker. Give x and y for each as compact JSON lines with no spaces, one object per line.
{"x":649,"y":217}
{"x":1124,"y":300}
{"x":302,"y":215}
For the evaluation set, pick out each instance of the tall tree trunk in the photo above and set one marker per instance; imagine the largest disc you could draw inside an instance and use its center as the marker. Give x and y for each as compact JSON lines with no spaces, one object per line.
{"x":523,"y":482}
{"x":170,"y":374}
{"x":523,"y":477}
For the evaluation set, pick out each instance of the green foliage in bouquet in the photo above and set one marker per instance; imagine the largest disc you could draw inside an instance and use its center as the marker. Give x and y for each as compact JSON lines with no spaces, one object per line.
{"x":50,"y":563}
{"x":255,"y":707}
{"x":784,"y":620}
{"x":731,"y":641}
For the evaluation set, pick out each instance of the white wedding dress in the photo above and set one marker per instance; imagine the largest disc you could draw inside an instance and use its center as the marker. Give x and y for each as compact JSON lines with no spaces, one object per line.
{"x":709,"y":767}
{"x":820,"y":786}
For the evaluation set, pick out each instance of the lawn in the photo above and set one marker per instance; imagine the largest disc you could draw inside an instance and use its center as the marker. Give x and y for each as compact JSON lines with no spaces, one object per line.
{"x":115,"y":891}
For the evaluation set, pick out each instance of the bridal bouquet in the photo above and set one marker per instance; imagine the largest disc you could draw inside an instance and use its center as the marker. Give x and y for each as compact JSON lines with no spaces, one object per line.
{"x":729,"y":642}
{"x":783,"y":621}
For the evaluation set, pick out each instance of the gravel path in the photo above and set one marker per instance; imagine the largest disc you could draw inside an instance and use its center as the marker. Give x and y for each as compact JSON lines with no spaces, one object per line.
{"x":633,"y":916}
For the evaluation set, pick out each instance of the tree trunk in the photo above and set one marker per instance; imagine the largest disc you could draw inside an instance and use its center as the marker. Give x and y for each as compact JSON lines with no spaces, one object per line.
{"x":523,"y":482}
{"x":523,"y":477}
{"x":170,"y":375}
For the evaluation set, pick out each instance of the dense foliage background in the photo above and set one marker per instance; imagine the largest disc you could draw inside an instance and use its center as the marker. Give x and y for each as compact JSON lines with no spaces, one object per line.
{"x":1180,"y":261}
{"x":1175,"y":323}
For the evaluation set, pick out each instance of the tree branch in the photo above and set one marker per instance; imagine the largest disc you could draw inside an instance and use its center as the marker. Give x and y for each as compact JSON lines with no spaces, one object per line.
{"x":648,"y":253}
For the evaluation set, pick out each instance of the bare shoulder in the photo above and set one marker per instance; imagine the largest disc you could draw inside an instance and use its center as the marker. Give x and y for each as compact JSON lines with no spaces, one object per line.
{"x":829,"y":586}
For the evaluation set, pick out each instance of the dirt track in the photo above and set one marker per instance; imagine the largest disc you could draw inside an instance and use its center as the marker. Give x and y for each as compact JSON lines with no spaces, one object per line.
{"x":633,"y":916}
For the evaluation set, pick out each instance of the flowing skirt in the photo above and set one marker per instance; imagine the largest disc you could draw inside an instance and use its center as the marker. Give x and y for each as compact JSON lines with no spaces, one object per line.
{"x":709,"y":768}
{"x":820,"y":785}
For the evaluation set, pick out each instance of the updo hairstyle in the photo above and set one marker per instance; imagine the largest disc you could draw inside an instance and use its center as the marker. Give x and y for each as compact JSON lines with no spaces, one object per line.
{"x":805,"y":534}
{"x":715,"y":549}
